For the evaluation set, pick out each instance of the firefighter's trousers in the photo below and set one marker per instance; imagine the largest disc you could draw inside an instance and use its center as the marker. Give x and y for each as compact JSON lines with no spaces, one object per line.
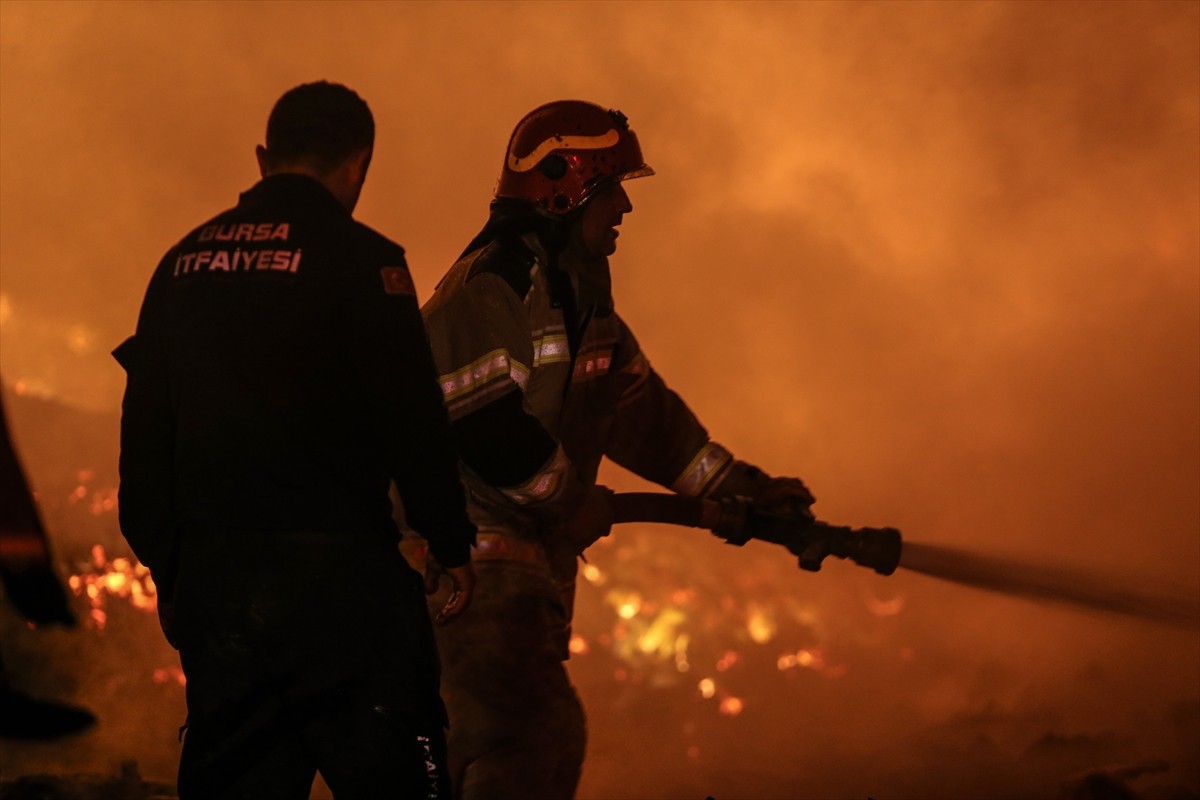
{"x":517,"y":728}
{"x":306,"y":652}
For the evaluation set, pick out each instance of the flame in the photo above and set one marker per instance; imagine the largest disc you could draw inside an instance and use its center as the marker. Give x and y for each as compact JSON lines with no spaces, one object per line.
{"x":760,"y":625}
{"x":660,"y":636}
{"x":124,"y":578}
{"x":664,"y":625}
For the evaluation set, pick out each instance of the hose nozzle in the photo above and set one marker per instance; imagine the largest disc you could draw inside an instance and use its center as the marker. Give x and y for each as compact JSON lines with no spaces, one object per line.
{"x":876,"y":548}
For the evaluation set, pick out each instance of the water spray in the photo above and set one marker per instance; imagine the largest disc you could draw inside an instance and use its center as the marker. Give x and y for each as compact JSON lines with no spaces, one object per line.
{"x":736,"y":521}
{"x":1050,"y":583}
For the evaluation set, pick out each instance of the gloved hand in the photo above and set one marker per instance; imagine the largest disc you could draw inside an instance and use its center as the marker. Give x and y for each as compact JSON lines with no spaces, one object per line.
{"x":591,"y":519}
{"x":462,"y":581}
{"x":785,"y":497}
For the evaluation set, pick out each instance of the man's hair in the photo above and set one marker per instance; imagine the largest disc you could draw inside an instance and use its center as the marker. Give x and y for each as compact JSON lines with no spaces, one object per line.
{"x":319,"y":123}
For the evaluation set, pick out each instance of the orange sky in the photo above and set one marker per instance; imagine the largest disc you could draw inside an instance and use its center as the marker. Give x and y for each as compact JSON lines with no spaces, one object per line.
{"x":940,"y":260}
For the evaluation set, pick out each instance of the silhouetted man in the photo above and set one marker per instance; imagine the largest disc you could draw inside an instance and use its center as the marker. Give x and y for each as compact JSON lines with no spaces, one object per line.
{"x":279,"y":378}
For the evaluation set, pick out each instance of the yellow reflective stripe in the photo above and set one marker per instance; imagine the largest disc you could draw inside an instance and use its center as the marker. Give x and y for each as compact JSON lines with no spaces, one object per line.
{"x":544,"y":484}
{"x":481,"y":371}
{"x":518,"y":372}
{"x":698,"y":476}
{"x":551,"y":349}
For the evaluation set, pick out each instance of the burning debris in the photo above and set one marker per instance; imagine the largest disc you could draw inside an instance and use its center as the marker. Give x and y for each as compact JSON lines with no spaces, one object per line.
{"x":123,"y":578}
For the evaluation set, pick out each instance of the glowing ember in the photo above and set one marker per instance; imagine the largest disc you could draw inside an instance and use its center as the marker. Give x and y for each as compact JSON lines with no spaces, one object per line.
{"x":811,"y":658}
{"x":732,"y":706}
{"x":628,"y":604}
{"x":681,"y":660}
{"x":120,"y":577}
{"x":662,"y":629}
{"x":101,"y":501}
{"x":682,"y":596}
{"x":726,"y":661}
{"x":170,"y":675}
{"x":760,"y":626}
{"x":592,"y":574}
{"x":32,"y":387}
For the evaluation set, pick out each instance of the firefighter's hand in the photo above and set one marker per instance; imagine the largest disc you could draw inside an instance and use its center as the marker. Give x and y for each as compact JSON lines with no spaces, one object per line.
{"x":462,"y":586}
{"x":592,"y":519}
{"x":785,"y":497}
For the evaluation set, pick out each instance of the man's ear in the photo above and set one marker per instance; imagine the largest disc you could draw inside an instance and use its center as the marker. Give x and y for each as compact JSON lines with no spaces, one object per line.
{"x":260,"y":153}
{"x":361,"y":161}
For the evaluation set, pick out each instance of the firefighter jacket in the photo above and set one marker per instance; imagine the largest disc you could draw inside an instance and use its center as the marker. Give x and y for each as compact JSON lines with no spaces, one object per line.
{"x":279,"y":379}
{"x":539,"y":392}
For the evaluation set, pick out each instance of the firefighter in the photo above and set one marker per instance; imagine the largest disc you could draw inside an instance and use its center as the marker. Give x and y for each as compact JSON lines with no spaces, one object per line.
{"x":542,"y":380}
{"x":278,"y":381}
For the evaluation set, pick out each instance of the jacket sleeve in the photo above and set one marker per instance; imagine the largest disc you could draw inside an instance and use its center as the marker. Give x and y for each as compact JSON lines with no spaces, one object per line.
{"x":656,"y":436}
{"x":394,"y":363}
{"x":485,"y":351}
{"x":146,"y":464}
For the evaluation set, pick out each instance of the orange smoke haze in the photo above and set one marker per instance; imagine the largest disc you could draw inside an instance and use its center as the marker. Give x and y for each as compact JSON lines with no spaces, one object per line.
{"x":942,"y":261}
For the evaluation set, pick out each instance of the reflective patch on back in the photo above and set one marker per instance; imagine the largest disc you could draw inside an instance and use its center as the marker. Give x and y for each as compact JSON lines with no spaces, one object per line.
{"x":396,"y":280}
{"x":431,"y":769}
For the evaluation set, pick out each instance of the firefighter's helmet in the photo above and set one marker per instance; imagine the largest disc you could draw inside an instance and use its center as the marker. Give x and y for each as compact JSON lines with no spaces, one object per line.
{"x":561,"y":152}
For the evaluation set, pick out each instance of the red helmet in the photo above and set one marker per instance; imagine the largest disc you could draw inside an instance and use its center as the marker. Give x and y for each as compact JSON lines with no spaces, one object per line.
{"x":562,"y":151}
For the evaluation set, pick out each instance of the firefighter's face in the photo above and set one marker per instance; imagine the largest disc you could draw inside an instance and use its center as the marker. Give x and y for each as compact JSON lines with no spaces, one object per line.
{"x":601,"y":215}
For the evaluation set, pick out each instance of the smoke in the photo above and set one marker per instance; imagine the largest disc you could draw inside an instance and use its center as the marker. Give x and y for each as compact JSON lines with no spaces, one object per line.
{"x":942,"y":261}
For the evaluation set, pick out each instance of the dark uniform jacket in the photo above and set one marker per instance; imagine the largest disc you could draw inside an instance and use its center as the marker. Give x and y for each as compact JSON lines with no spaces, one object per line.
{"x":280,"y":376}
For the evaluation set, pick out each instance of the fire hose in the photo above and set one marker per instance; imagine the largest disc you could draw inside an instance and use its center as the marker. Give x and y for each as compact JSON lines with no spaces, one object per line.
{"x":737,"y":521}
